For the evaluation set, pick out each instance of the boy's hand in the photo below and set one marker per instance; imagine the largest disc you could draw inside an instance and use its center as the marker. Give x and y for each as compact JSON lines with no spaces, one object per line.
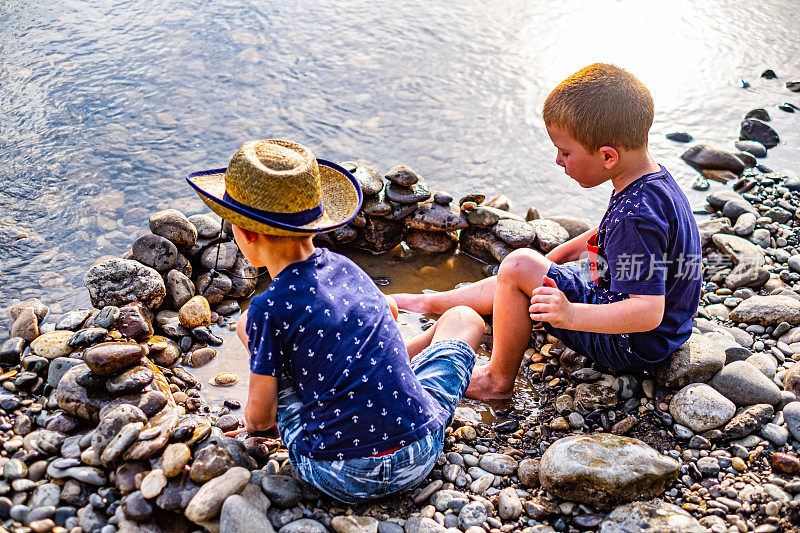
{"x":549,"y":304}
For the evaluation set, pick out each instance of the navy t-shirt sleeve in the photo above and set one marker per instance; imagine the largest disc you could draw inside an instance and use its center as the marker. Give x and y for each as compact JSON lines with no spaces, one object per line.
{"x":263,"y":344}
{"x":635,"y":251}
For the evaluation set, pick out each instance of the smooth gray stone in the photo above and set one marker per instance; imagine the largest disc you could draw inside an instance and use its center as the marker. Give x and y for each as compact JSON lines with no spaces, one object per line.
{"x":605,"y":470}
{"x":744,"y":384}
{"x":58,"y":367}
{"x":777,"y":435}
{"x":701,"y":408}
{"x":45,"y":495}
{"x":420,"y":524}
{"x":239,"y":516}
{"x":306,"y":525}
{"x":791,"y":415}
{"x":472,"y":514}
{"x":283,"y":491}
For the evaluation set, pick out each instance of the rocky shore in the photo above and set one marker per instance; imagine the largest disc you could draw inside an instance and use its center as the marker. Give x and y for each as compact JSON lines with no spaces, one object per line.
{"x":104,"y":428}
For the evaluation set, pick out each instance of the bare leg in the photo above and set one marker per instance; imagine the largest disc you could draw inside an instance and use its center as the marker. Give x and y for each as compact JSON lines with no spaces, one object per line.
{"x":520,"y":272}
{"x":479,"y":296}
{"x":460,"y":323}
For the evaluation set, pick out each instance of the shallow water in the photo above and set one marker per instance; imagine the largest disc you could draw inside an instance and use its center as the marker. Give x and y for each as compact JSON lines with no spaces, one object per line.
{"x":399,"y":271}
{"x":106,"y":104}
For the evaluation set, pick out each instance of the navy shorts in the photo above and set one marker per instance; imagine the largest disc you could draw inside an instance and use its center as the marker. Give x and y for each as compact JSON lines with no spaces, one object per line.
{"x":609,"y":350}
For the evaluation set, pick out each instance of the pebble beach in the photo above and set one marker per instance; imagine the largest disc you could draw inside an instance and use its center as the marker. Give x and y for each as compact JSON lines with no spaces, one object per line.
{"x":106,"y":428}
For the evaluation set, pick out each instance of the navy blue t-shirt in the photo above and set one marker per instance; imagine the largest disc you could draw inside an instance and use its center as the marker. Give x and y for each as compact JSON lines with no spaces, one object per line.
{"x":324,"y":324}
{"x":650,"y":241}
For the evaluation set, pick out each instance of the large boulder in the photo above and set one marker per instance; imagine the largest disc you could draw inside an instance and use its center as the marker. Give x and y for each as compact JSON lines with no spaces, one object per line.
{"x":121,"y":281}
{"x":767,"y":310}
{"x":655,"y":516}
{"x":605,"y":470}
{"x":696,"y":361}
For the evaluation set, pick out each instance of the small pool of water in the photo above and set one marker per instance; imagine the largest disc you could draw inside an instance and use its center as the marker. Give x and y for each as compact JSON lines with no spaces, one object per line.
{"x":399,"y":271}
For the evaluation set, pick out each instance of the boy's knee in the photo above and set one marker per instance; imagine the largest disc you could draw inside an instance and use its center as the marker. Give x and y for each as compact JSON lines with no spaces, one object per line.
{"x":465,"y":317}
{"x":521,"y":261}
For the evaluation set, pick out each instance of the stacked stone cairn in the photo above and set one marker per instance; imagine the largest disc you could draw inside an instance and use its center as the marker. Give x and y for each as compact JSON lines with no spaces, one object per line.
{"x":404,"y":209}
{"x":104,"y":430}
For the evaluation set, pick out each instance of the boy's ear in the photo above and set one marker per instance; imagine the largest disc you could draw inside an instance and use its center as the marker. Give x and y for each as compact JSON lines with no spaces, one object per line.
{"x":248,"y":236}
{"x":610,"y":156}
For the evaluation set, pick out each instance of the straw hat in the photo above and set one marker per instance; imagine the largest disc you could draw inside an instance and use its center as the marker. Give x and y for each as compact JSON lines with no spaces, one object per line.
{"x":278,"y":187}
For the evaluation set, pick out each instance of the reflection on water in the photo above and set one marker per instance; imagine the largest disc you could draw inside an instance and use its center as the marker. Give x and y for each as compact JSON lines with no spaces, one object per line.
{"x":105,"y":104}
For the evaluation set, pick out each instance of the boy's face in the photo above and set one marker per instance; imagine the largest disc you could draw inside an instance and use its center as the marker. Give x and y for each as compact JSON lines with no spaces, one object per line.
{"x":588,"y":169}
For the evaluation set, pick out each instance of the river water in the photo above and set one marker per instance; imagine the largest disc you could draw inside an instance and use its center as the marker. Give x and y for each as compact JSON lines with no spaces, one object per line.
{"x":106,"y":104}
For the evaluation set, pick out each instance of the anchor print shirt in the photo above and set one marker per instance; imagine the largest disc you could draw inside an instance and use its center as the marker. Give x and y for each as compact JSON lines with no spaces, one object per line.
{"x":324,"y":324}
{"x":650,"y":242}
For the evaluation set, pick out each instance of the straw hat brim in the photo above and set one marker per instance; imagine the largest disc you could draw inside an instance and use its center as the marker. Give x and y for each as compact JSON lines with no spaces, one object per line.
{"x":340,"y":191}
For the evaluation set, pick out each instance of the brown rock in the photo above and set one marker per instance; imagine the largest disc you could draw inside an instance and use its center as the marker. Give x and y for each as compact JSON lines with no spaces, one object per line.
{"x":785,"y":463}
{"x":109,"y":358}
{"x":26,"y":326}
{"x":432,"y":241}
{"x":135,"y":321}
{"x":196,"y":312}
{"x":436,"y":217}
{"x":791,"y":382}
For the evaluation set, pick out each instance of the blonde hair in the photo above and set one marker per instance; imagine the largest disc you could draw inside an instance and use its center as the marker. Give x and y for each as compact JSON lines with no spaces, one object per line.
{"x":601,"y":105}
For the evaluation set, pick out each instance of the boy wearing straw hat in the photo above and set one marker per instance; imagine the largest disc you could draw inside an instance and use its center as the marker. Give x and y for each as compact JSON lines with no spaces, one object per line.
{"x":359,"y":418}
{"x":636,"y":311}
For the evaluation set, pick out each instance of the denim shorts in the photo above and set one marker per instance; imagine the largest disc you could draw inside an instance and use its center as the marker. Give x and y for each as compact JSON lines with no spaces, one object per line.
{"x":444,"y":370}
{"x":609,"y":350}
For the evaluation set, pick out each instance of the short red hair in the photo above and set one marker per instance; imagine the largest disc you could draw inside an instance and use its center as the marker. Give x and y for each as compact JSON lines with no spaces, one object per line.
{"x":601,"y":105}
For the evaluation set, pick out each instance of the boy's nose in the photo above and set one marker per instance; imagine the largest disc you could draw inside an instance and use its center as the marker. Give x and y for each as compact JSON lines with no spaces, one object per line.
{"x":559,"y":160}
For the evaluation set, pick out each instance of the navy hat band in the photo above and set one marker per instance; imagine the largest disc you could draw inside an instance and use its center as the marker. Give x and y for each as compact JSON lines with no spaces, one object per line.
{"x":298,"y":218}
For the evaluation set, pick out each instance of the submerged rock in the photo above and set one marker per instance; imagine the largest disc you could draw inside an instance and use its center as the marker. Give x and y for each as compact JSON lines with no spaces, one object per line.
{"x":605,"y":470}
{"x":755,"y":130}
{"x":432,"y":241}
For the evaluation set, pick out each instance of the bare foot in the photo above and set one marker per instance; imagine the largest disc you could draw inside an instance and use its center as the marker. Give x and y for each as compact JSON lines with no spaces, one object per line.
{"x":411,"y":302}
{"x":486,"y":386}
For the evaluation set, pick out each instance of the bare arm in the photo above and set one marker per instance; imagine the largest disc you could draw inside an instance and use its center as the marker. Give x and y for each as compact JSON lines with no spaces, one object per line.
{"x":572,"y":249}
{"x":640,"y":312}
{"x":262,"y":403}
{"x":262,"y":397}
